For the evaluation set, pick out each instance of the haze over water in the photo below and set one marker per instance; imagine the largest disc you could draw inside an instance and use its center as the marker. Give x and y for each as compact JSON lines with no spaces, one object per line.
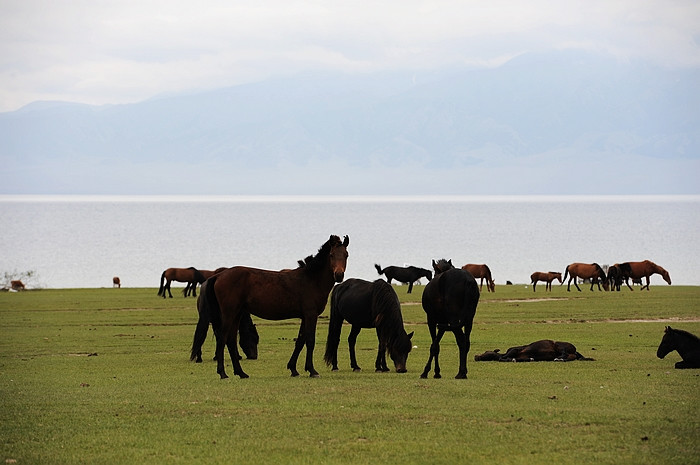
{"x":83,"y":241}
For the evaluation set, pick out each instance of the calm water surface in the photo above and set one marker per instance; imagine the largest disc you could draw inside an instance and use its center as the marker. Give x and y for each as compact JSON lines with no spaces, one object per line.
{"x":84,"y":241}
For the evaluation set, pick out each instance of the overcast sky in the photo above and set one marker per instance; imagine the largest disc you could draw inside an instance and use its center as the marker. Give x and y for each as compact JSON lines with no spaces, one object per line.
{"x":105,"y":51}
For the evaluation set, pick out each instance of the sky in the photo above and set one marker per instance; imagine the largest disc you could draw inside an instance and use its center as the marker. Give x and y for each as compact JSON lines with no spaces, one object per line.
{"x":108,"y":52}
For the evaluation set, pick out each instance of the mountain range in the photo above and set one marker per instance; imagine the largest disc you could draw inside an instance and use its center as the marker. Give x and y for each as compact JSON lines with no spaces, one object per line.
{"x":559,"y":122}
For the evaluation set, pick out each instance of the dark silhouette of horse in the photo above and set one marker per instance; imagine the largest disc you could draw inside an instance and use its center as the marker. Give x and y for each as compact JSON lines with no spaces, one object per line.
{"x":591,"y":271}
{"x":545,"y":350}
{"x":450,"y":302}
{"x":546,"y":277}
{"x":247,"y":332}
{"x":17,"y":285}
{"x":274,"y":295}
{"x":685,"y":343}
{"x":407,"y":275}
{"x":182,"y":275}
{"x":191,"y":288}
{"x":481,"y":272}
{"x":366,"y":304}
{"x":116,"y":282}
{"x":639,"y":270}
{"x":614,"y":277}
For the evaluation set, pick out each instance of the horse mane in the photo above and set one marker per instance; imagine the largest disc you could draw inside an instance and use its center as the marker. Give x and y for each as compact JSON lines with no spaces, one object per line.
{"x":388,"y":320}
{"x":443,"y":265}
{"x":314,"y":263}
{"x":685,"y":333}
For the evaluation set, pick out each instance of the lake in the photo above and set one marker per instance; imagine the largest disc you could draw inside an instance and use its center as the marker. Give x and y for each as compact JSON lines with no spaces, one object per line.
{"x":83,"y":241}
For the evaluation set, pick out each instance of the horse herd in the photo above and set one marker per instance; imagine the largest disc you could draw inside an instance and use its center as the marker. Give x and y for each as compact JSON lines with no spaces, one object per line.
{"x":229,"y":296}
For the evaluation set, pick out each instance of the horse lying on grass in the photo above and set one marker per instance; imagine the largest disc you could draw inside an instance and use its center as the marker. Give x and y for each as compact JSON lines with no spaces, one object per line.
{"x":545,"y":350}
{"x":687,"y":345}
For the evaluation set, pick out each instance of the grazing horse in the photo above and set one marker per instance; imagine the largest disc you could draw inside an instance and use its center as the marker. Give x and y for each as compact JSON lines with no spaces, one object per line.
{"x":614,"y":277}
{"x":591,"y":271}
{"x":16,"y":285}
{"x":545,"y":350}
{"x":191,"y":287}
{"x":116,"y":282}
{"x":183,"y":275}
{"x":639,"y":270}
{"x":249,"y":337}
{"x":687,"y":345}
{"x":366,"y":304}
{"x":483,"y":272}
{"x":274,"y":295}
{"x":450,"y":301}
{"x":407,"y":275}
{"x":546,"y":277}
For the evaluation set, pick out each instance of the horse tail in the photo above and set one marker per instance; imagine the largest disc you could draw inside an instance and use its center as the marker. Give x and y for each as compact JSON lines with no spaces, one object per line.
{"x":584,"y":359}
{"x":200,"y":333}
{"x":379,"y":269}
{"x":335,"y":325}
{"x":162,"y":284}
{"x":198,"y":276}
{"x":566,"y":273}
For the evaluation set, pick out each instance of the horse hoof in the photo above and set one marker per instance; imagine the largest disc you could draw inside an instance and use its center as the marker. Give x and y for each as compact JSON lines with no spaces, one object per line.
{"x":335,"y":369}
{"x":243,"y":375}
{"x":314,"y":375}
{"x":437,"y":376}
{"x":295,"y":374}
{"x":461,"y":376}
{"x":223,"y":376}
{"x":424,"y":376}
{"x":357,"y":370}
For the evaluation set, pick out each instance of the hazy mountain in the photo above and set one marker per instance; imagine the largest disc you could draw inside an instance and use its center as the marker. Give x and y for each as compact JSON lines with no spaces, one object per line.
{"x":550,"y":114}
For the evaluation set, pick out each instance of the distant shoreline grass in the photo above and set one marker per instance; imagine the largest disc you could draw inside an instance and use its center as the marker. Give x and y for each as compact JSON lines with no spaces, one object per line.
{"x":103,"y":376}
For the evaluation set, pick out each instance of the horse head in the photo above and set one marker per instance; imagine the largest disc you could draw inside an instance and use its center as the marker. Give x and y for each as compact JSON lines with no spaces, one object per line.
{"x":338,"y":257}
{"x":442,"y":265}
{"x":398,"y":351}
{"x":664,"y":274}
{"x":666,"y":346}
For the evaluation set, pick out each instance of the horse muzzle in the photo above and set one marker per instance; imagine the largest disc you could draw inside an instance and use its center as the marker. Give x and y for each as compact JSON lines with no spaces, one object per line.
{"x":339,"y":276}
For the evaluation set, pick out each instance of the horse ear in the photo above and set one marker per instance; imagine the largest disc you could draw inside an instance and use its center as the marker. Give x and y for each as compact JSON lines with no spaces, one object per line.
{"x":346,"y":241}
{"x":411,"y":334}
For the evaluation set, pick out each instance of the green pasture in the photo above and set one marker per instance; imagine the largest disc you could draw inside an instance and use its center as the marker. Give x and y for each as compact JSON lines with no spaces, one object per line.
{"x":103,"y":376}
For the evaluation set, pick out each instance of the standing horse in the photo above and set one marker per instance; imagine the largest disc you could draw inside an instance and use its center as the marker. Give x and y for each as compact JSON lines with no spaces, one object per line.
{"x":274,"y":295}
{"x":450,"y":301}
{"x":366,"y":304}
{"x":687,"y":345}
{"x":116,"y":282}
{"x":191,"y":287}
{"x":483,"y":272}
{"x":183,"y":275}
{"x":546,"y":277}
{"x":407,"y":275}
{"x":639,"y":270}
{"x":249,"y":337}
{"x":614,"y":277}
{"x":591,"y":271}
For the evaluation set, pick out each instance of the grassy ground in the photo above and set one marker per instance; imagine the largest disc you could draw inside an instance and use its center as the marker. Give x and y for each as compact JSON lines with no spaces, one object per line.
{"x":103,"y":376}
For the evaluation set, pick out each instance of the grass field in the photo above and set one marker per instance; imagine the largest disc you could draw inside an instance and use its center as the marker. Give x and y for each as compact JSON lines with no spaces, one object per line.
{"x":103,"y":376}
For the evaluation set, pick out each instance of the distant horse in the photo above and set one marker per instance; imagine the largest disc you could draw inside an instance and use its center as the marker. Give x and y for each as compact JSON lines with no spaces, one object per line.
{"x":546,"y":277}
{"x":545,"y":350}
{"x":249,"y":337}
{"x":450,"y":302}
{"x":614,"y":277}
{"x":591,"y":271}
{"x":639,"y":270}
{"x":366,"y":304}
{"x":407,"y":275}
{"x":16,"y":285}
{"x":191,"y":287}
{"x":183,"y":275}
{"x":687,"y":345}
{"x":116,"y":282}
{"x":274,"y":295}
{"x":483,"y":272}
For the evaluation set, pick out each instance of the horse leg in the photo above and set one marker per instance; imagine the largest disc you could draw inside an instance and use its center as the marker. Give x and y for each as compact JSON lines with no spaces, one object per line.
{"x":433,"y":336}
{"x":576,"y":284}
{"x":380,"y":363}
{"x":434,"y":353}
{"x":410,"y":287}
{"x":232,"y":345}
{"x":310,"y":336}
{"x":352,"y":339}
{"x":167,"y":286}
{"x":461,"y":343}
{"x":220,"y":343}
{"x":298,"y":345}
{"x":647,"y":284}
{"x":194,"y":289}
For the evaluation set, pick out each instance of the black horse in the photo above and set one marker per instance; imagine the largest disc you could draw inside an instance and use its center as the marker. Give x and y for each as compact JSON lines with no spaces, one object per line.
{"x":248,"y":334}
{"x":407,"y":275}
{"x":450,"y":302}
{"x":687,"y":345}
{"x":366,"y":304}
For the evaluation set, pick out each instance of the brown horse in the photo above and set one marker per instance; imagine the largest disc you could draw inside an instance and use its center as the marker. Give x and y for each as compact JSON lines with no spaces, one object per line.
{"x":639,"y":270}
{"x":546,"y":277}
{"x":274,"y":295}
{"x":183,"y":275}
{"x":591,"y":271}
{"x":116,"y":282}
{"x":481,"y":272}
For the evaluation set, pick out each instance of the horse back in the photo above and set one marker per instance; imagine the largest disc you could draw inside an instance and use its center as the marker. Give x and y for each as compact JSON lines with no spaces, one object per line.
{"x":352,"y":299}
{"x":451,"y":296}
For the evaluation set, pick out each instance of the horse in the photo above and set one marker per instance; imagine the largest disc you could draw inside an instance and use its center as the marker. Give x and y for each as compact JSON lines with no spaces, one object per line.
{"x":481,"y":272}
{"x":407,"y":275}
{"x":614,"y":277}
{"x":183,"y":275}
{"x":591,"y":271}
{"x":16,"y":285}
{"x":639,"y":270}
{"x":249,"y":337}
{"x":366,"y":304}
{"x":545,"y":350}
{"x":116,"y":282}
{"x":450,"y":302}
{"x":274,"y":295}
{"x":546,"y":277}
{"x":687,"y":345}
{"x":191,"y":287}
